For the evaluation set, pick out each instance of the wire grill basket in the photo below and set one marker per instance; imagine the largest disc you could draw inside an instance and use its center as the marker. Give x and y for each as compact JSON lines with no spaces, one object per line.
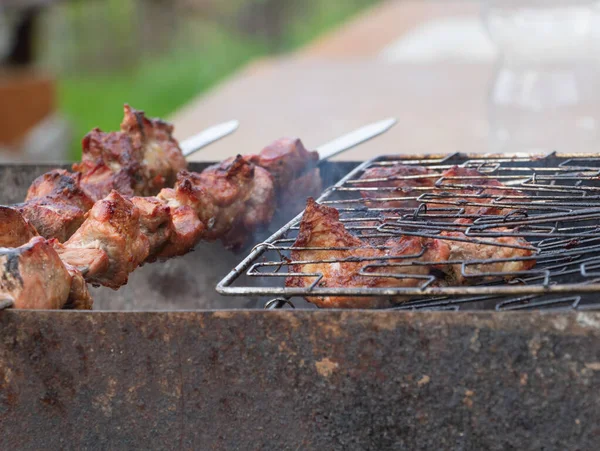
{"x":549,"y":203}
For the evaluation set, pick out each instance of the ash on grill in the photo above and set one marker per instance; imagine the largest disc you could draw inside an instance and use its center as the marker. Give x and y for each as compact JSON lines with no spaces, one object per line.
{"x":552,"y":201}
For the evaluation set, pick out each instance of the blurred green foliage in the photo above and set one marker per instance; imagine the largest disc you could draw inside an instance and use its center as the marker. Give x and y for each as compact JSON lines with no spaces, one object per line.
{"x":205,"y":48}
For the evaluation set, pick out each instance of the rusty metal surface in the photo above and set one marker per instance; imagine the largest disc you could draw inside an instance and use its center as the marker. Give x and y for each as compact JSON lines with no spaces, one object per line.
{"x":186,"y":282}
{"x":299,"y":380}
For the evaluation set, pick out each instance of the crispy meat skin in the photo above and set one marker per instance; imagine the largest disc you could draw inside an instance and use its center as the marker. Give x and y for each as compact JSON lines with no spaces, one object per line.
{"x":397,"y":177}
{"x":34,"y":276}
{"x":113,"y":227}
{"x":141,"y":159}
{"x":469,"y":251}
{"x":56,"y":204}
{"x":320,"y":227}
{"x":15,"y":230}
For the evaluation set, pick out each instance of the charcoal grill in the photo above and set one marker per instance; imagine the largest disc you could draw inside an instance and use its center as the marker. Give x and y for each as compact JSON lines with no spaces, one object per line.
{"x":203,"y":377}
{"x":551,"y":200}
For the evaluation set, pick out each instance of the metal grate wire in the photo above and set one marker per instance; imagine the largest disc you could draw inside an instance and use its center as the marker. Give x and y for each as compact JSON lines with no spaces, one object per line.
{"x":550,"y":201}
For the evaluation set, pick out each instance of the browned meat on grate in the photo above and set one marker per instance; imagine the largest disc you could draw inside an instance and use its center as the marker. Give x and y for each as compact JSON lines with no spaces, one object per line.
{"x":320,"y":227}
{"x":475,"y":192}
{"x":406,"y":180}
{"x":469,"y":251}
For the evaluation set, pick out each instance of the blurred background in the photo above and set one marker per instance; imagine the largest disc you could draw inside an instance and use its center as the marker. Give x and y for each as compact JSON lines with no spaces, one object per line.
{"x":471,"y":75}
{"x":68,"y":66}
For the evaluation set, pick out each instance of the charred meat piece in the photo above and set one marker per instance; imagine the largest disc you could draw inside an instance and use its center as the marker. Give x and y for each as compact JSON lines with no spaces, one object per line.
{"x":141,"y":159}
{"x":15,"y":230}
{"x":112,"y":227}
{"x":56,"y":204}
{"x":350,"y":266}
{"x":34,"y":276}
{"x":233,"y":199}
{"x":53,"y":219}
{"x":162,"y":157}
{"x":59,"y":183}
{"x":407,"y":183}
{"x":470,"y":251}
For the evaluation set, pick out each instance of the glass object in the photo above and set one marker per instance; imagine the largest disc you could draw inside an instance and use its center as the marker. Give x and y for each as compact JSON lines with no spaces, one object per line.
{"x":545,"y":94}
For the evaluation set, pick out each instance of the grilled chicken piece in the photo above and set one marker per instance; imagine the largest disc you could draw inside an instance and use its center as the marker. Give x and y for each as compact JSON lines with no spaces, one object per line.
{"x":232,"y":199}
{"x":34,"y":277}
{"x":470,"y":251}
{"x":15,"y":230}
{"x":56,"y":204}
{"x":141,"y":159}
{"x":112,"y":227}
{"x":409,"y":182}
{"x":321,"y":227}
{"x":294,"y":171}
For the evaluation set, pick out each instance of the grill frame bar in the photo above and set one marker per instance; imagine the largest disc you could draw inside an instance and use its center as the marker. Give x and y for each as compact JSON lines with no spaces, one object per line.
{"x":227,"y":285}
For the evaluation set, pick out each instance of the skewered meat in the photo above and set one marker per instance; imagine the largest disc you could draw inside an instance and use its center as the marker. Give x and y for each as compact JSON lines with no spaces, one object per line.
{"x":409,"y":182}
{"x":112,"y":227}
{"x":286,"y":159}
{"x":141,"y":159}
{"x":34,"y":277}
{"x":514,"y":259}
{"x":56,"y":204}
{"x":155,"y":223}
{"x":15,"y":230}
{"x":233,"y":199}
{"x":79,"y":295}
{"x":162,"y":157}
{"x":294,"y":171}
{"x":349,"y":266}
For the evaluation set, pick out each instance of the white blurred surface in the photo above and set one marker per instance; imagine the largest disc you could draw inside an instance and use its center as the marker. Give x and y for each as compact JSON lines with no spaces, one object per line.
{"x":460,"y":39}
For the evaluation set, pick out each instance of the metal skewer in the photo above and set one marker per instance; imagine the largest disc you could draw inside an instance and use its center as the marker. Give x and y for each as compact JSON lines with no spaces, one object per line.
{"x":354,"y":138}
{"x":206,"y":137}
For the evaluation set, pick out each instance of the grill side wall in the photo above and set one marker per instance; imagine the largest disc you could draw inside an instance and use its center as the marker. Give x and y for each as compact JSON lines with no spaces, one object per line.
{"x":299,"y":380}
